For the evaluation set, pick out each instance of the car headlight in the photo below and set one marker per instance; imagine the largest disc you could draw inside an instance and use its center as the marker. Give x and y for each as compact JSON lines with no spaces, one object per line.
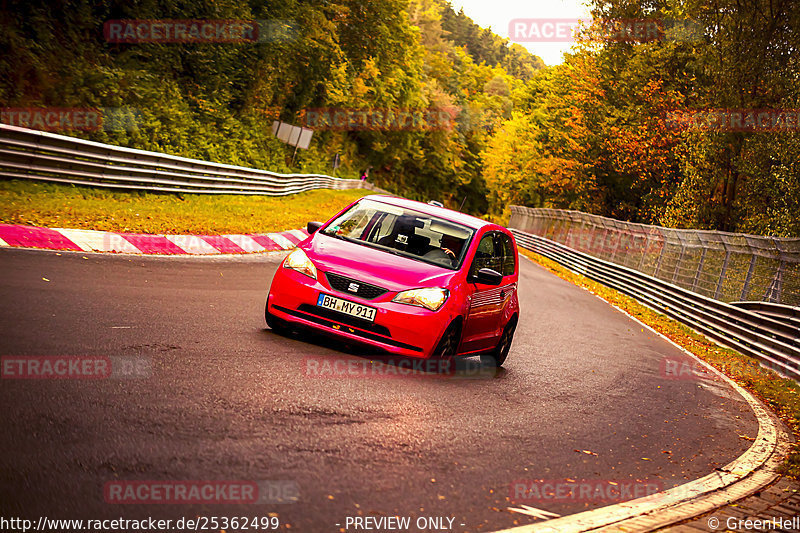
{"x":298,"y":260}
{"x":429,"y":298}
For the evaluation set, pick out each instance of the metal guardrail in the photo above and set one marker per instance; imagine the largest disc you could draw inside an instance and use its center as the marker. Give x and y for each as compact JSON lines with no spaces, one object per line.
{"x":773,"y":342}
{"x":785,"y":313}
{"x":37,"y":155}
{"x":723,"y":266}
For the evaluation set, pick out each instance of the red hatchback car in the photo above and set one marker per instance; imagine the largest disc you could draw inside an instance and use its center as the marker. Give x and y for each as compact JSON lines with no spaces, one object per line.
{"x":405,"y":277}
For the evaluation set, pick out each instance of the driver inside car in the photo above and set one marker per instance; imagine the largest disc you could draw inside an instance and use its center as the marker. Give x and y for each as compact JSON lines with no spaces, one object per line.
{"x":448,"y":251}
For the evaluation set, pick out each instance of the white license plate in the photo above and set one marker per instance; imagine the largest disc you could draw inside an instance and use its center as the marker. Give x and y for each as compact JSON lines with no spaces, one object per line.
{"x":347,"y":307}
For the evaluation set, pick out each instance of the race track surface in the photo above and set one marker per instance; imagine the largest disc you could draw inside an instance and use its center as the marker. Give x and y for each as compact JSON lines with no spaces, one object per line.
{"x":584,"y":396}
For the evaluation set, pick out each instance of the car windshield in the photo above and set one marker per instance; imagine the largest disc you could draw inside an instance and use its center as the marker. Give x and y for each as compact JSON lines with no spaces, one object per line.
{"x":403,"y":232}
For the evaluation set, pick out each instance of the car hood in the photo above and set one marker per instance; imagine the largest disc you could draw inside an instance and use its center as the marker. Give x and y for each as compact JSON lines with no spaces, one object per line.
{"x":374,"y":266}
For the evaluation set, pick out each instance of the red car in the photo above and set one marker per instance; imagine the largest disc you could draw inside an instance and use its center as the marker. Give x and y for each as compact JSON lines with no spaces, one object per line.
{"x":404,"y":277}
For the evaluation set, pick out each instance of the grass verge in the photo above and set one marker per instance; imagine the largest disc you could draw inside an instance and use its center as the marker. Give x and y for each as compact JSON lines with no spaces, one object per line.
{"x":781,"y":394}
{"x":66,"y":206}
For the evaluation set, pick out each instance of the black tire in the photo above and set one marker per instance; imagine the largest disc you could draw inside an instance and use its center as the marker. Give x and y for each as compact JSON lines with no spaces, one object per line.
{"x":275,"y":324}
{"x":498,"y":356}
{"x":447,"y":348}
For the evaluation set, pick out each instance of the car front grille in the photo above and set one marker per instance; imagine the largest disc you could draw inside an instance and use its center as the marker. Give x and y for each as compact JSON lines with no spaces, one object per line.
{"x":364,"y":290}
{"x":332,"y":320}
{"x":344,"y":319}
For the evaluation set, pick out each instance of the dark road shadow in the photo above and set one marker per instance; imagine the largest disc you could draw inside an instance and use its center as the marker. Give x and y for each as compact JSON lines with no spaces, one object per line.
{"x":385,"y":363}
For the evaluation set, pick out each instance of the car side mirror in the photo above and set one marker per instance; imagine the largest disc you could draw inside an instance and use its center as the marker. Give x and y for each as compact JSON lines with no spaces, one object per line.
{"x":312,"y":227}
{"x":488,"y":276}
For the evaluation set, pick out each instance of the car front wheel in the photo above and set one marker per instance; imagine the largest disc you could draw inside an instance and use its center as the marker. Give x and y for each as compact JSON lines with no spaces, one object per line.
{"x":275,"y":324}
{"x":446,"y":351}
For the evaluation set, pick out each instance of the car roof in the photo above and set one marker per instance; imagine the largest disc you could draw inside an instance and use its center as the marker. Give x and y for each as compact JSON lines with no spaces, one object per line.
{"x":442,"y":212}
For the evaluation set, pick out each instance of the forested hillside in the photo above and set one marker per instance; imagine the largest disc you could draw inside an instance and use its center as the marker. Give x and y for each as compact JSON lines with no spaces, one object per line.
{"x":596,"y":133}
{"x":217,"y":101}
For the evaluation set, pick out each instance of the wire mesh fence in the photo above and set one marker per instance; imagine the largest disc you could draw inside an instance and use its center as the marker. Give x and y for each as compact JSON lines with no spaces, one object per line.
{"x":724,"y":266}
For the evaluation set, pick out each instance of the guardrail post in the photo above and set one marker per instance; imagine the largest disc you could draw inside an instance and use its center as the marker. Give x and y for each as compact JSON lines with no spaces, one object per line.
{"x":568,"y":235}
{"x":775,"y":288}
{"x":696,"y":279}
{"x":679,"y":261}
{"x":585,"y":238}
{"x":660,"y":258}
{"x":645,"y":247}
{"x":646,"y":250}
{"x":749,"y":276}
{"x":595,"y":245}
{"x":606,"y":233}
{"x":618,"y":234}
{"x":722,"y":273}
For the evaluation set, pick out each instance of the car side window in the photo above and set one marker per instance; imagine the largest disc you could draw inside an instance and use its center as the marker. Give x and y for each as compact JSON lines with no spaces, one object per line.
{"x":507,"y":250}
{"x":486,"y":256}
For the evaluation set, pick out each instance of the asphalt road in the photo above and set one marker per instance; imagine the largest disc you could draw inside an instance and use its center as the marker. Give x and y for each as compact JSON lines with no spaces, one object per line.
{"x":583,"y":396}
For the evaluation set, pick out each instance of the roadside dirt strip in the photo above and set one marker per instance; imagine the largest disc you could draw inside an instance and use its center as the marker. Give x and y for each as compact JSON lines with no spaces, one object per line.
{"x":81,"y":240}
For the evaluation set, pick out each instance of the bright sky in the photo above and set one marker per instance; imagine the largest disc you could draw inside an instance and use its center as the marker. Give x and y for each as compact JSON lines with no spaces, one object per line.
{"x":496,"y":14}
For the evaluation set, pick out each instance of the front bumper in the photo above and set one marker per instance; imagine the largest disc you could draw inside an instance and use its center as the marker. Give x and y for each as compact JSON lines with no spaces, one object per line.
{"x":398,"y":328}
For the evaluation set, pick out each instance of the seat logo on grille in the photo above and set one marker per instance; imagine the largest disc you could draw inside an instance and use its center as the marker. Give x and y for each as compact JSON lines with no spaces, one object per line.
{"x":353,"y":287}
